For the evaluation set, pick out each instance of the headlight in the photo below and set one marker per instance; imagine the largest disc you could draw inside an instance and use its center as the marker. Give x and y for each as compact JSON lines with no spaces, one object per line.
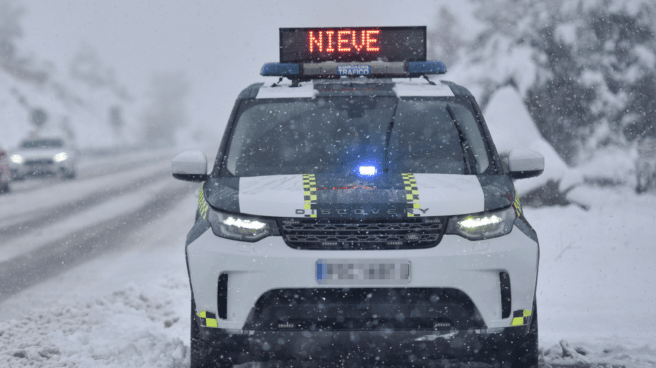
{"x":17,"y":159}
{"x":239,"y":227}
{"x":60,"y":157}
{"x":484,"y":225}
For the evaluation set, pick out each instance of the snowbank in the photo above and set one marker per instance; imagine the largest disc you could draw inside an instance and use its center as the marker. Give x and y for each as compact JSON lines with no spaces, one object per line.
{"x":123,"y":329}
{"x":611,"y":165}
{"x":592,"y":288}
{"x":511,"y":127}
{"x":124,"y":309}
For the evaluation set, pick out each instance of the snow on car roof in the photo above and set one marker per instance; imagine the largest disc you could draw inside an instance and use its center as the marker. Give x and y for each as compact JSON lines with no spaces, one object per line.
{"x":401,"y":87}
{"x":304,"y":90}
{"x":422,"y":88}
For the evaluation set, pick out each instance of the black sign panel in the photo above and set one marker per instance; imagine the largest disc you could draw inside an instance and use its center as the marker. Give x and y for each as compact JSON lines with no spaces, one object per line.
{"x":313,"y":45}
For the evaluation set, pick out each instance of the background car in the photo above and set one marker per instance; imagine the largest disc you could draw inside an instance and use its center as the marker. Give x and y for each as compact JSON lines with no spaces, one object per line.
{"x":37,"y":156}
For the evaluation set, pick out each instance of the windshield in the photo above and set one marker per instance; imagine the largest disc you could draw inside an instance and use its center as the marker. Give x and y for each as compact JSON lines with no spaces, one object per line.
{"x":43,"y":143}
{"x":339,"y":134}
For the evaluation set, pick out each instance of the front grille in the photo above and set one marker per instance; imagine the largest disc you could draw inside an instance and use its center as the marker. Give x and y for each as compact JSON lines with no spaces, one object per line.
{"x":411,"y":233}
{"x":39,"y":162}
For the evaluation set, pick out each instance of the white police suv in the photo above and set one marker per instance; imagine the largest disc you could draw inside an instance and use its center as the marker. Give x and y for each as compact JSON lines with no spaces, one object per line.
{"x":360,"y":211}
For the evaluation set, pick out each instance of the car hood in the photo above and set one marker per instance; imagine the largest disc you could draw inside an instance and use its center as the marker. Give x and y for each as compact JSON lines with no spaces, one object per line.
{"x":387,"y":196}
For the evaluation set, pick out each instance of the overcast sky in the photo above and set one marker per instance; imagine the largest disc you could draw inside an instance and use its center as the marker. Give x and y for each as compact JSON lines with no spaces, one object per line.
{"x":219,"y":45}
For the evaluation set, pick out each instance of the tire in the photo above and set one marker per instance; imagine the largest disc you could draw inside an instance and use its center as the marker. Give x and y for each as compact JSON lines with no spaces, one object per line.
{"x":522,"y":351}
{"x":202,"y":355}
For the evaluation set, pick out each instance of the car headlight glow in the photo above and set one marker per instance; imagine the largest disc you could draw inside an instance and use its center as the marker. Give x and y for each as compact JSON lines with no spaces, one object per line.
{"x":484,"y":225}
{"x":240,"y":227}
{"x":60,"y":157}
{"x":17,"y":159}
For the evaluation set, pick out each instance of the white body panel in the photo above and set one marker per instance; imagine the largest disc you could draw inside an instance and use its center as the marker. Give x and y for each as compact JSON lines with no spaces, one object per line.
{"x":409,"y":89}
{"x":470,"y":266}
{"x":304,"y":90}
{"x":190,"y":163}
{"x":447,"y":195}
{"x":523,"y":159}
{"x":278,"y":195}
{"x":282,"y":195}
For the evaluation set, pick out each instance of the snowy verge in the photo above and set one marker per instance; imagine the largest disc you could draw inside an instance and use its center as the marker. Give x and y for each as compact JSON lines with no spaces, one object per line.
{"x":122,"y":329}
{"x":565,"y":354}
{"x":593,"y":287}
{"x":125,"y":309}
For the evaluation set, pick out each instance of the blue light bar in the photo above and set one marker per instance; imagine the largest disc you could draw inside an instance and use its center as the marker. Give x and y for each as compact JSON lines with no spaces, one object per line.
{"x":426,"y":67}
{"x":279,"y":70}
{"x":336,"y":69}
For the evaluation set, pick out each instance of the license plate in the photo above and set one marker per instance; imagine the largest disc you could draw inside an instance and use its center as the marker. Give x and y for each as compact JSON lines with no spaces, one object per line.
{"x":354,"y":69}
{"x":362,"y":271}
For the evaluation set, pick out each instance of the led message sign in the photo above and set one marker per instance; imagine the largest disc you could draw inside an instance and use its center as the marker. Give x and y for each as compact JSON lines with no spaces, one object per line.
{"x":313,"y":45}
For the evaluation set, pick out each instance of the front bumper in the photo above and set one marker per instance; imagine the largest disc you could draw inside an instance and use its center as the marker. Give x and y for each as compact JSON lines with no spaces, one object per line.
{"x":472,"y":267}
{"x":41,"y":168}
{"x":387,"y":346}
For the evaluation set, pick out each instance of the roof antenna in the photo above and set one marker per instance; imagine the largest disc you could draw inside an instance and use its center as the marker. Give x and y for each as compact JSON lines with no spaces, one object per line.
{"x":277,"y":84}
{"x":429,"y":81}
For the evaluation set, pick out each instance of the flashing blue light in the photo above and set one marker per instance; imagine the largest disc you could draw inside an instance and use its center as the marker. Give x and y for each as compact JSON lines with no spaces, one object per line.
{"x":279,"y":70}
{"x":426,"y":67}
{"x":367,"y":170}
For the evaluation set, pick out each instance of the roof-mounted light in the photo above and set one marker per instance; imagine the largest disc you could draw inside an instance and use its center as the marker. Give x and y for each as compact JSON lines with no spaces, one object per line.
{"x":417,"y":68}
{"x":280,"y":70}
{"x":335,"y":69}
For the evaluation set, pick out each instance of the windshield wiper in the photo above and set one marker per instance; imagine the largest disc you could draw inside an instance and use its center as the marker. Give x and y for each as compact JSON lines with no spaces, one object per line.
{"x":468,"y":154}
{"x":388,"y":136}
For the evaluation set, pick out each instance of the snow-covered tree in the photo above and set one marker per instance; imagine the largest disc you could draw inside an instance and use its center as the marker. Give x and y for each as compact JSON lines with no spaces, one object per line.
{"x":10,"y":28}
{"x":444,"y":40}
{"x":585,"y":68}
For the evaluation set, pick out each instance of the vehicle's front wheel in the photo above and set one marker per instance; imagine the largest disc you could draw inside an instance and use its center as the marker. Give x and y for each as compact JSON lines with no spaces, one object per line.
{"x":203,"y":355}
{"x":523,"y":351}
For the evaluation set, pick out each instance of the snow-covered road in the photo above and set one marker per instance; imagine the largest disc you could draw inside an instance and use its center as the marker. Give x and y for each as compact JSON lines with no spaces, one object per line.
{"x":92,"y":273}
{"x":53,"y":225}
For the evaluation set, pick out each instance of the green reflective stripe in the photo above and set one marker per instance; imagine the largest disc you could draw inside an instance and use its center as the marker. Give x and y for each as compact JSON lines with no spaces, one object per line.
{"x":208,"y":319}
{"x":203,"y":207}
{"x":411,"y":193}
{"x":521,"y":317}
{"x":310,"y":194}
{"x":517,"y":205}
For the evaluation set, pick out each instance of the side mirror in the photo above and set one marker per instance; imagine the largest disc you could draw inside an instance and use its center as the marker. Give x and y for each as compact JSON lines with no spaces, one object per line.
{"x":525,"y":163}
{"x":190,"y":166}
